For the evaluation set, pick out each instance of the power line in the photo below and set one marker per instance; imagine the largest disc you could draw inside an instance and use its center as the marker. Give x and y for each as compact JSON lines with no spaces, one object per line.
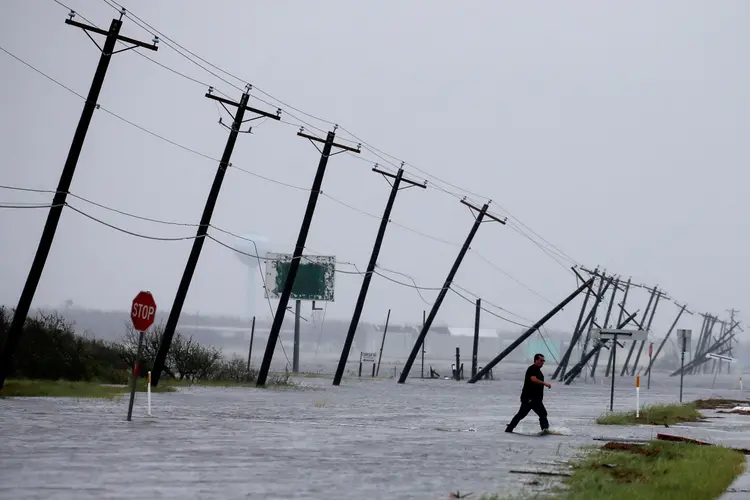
{"x":378,"y":152}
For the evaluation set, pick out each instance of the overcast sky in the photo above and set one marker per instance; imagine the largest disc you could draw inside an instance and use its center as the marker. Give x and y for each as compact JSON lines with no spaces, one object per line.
{"x":617,"y":132}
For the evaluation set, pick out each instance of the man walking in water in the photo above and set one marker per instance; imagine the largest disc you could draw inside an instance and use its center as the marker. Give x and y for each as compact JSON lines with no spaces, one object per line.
{"x":532,"y":395}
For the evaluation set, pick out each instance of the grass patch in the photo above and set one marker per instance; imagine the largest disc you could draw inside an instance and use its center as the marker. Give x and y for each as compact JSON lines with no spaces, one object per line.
{"x":68,"y":389}
{"x":660,"y":414}
{"x":658,"y":470}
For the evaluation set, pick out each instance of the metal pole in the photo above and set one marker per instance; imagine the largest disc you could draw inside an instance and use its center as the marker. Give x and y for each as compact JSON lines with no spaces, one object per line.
{"x":135,"y":374}
{"x":382,"y":343}
{"x":458,"y":363}
{"x":423,"y":346}
{"x":278,"y":319}
{"x":250,"y":351}
{"x":475,"y":349}
{"x":529,"y":332}
{"x":295,"y":358}
{"x":612,"y":382}
{"x":682,"y":364}
{"x":15,"y":330}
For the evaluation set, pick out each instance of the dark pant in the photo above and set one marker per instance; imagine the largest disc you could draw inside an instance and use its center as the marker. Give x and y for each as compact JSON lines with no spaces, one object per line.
{"x":526,"y":406}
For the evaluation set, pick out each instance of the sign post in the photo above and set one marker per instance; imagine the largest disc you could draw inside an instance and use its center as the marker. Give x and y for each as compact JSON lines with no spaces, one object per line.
{"x":650,"y":354}
{"x":684,"y":336}
{"x":142,"y":313}
{"x":721,"y":358}
{"x":613,"y":333}
{"x":367,"y":357}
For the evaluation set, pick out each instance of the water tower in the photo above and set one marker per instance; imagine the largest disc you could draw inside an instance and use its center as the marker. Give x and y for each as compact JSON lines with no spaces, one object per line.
{"x":256,"y":247}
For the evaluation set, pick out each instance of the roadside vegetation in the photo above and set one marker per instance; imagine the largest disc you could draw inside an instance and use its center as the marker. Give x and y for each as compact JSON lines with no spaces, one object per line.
{"x":659,"y":414}
{"x":654,"y":471}
{"x":50,"y":357}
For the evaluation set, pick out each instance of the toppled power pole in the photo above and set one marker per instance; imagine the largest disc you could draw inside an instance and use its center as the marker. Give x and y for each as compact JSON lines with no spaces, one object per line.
{"x":66,"y":177}
{"x":489,"y":366}
{"x":448,"y":281}
{"x":619,"y":319}
{"x":562,"y":365}
{"x":666,"y":337}
{"x":286,"y":293}
{"x":208,"y":210}
{"x":659,"y":295}
{"x":395,"y":187}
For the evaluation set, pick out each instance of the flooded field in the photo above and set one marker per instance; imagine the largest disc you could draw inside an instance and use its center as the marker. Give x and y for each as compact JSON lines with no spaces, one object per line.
{"x":368,"y":438}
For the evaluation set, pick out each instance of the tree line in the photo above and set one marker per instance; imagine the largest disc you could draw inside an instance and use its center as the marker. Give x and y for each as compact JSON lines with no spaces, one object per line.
{"x":50,"y":349}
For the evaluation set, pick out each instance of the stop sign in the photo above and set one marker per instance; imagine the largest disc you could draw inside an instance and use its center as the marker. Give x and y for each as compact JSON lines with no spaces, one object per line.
{"x":143,"y":311}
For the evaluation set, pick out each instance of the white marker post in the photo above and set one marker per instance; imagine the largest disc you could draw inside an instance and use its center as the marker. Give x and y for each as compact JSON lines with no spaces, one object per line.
{"x":149,"y":393}
{"x":637,"y":396}
{"x":613,"y":334}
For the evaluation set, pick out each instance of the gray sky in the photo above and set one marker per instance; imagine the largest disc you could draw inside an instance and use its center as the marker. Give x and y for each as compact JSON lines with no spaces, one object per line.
{"x":614,"y":131}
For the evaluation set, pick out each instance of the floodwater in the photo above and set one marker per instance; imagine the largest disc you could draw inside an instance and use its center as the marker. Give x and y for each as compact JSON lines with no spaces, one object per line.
{"x":367,"y":439}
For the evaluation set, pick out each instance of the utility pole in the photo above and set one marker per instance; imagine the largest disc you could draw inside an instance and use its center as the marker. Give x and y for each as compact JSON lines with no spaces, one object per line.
{"x":443,"y":291}
{"x":659,"y":295}
{"x":295,"y":353}
{"x":382,"y":343}
{"x":643,"y":321}
{"x":250,"y":350}
{"x":529,"y":332}
{"x":619,"y":319}
{"x":599,"y":295}
{"x":286,"y":293}
{"x":424,"y":313}
{"x":395,"y":186}
{"x":208,"y":210}
{"x":66,"y":177}
{"x":606,"y":322}
{"x":475,"y":349}
{"x":683,"y":309}
{"x":563,"y":365}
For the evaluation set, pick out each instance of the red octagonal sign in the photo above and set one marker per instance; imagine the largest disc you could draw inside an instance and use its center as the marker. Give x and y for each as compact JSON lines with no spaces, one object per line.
{"x":143,"y":311}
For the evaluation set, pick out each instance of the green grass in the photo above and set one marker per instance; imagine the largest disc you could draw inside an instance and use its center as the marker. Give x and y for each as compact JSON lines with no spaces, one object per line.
{"x":655,"y":471}
{"x":659,"y":414}
{"x":659,"y":471}
{"x":68,"y":389}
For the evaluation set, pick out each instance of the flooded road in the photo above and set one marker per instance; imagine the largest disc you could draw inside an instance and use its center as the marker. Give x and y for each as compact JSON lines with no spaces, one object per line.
{"x":368,"y":438}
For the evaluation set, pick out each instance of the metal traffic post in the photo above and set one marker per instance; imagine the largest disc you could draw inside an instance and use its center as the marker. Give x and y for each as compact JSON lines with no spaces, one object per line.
{"x":613,"y":334}
{"x":684,"y":335}
{"x":142,"y":313}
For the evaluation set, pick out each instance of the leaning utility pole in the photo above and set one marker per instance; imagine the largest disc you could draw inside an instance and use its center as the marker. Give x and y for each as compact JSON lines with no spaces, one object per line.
{"x":489,"y":366}
{"x":600,"y":293}
{"x":619,"y":319}
{"x":643,"y":321}
{"x":66,"y":177}
{"x":475,"y":346}
{"x":664,"y":341}
{"x":564,"y":361}
{"x":208,"y":210}
{"x":286,"y":293}
{"x":443,"y":291}
{"x":659,"y":295}
{"x":395,"y":187}
{"x":606,"y":322}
